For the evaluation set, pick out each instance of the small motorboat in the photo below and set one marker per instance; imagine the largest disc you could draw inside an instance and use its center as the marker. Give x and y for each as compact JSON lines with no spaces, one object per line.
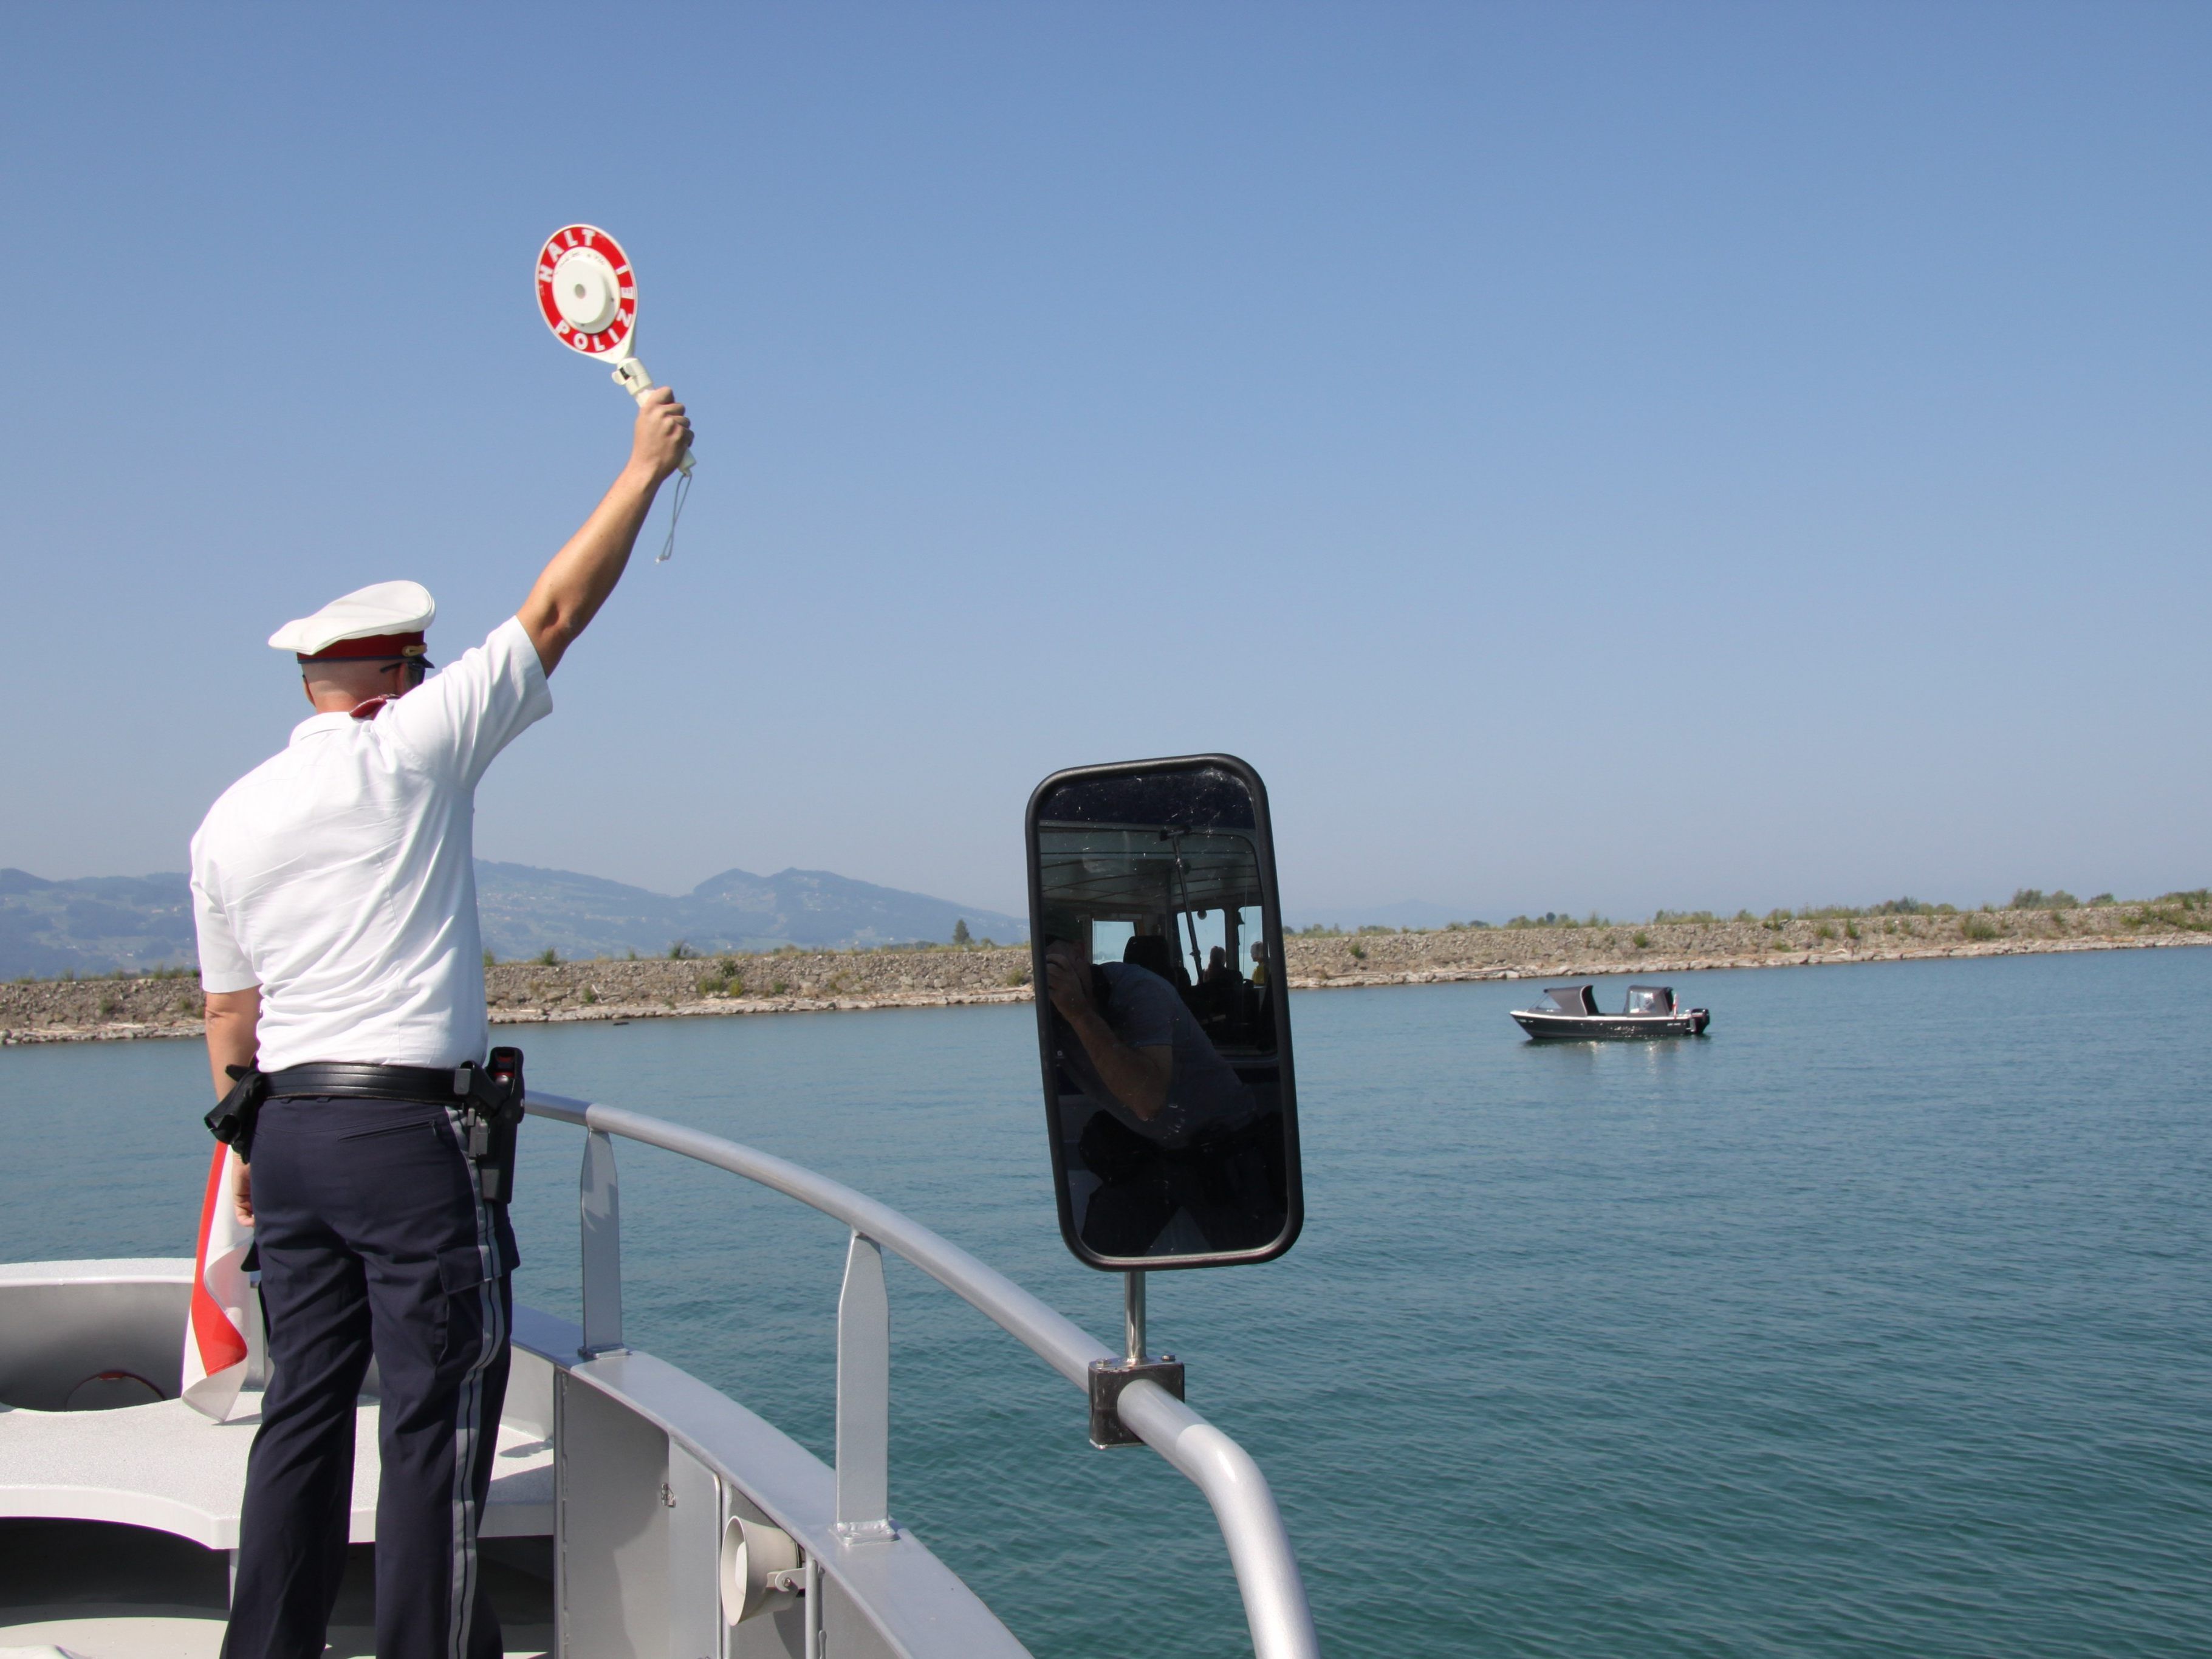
{"x":1651,"y":1013}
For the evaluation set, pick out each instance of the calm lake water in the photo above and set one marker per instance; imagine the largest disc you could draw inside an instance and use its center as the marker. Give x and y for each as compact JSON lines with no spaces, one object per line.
{"x":1874,"y":1322}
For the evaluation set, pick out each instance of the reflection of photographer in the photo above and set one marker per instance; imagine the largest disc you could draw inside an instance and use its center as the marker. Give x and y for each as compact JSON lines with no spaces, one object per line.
{"x":1179,"y":1129}
{"x":1139,"y":1051}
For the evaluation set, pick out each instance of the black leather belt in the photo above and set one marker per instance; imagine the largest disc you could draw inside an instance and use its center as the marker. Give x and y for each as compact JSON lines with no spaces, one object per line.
{"x":489,"y":1099}
{"x":347,"y":1080}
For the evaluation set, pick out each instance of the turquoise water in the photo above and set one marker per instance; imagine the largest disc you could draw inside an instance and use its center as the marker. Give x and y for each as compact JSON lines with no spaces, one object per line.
{"x":1875,"y":1322}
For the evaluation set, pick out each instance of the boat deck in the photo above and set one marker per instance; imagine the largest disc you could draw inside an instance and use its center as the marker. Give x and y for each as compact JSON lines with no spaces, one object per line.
{"x":57,"y":1596}
{"x":159,"y":1485}
{"x":176,"y":1476}
{"x":164,"y":1465}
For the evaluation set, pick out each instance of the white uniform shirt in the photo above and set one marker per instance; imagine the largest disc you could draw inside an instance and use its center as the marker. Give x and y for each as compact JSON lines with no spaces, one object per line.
{"x":340,"y":876}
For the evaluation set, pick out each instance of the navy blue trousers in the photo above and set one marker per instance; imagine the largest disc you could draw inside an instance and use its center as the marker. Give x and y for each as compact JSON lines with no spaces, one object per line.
{"x":374,"y":1241}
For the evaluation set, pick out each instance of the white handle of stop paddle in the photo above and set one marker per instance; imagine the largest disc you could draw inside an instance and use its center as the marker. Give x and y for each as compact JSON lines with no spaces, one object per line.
{"x":630,"y":376}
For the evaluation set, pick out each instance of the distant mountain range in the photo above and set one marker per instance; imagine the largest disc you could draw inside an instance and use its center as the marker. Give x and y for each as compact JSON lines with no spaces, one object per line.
{"x":526,"y":911}
{"x":95,"y":924}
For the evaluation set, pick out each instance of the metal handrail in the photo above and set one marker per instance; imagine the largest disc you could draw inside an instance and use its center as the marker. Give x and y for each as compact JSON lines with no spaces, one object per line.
{"x":1260,"y":1550}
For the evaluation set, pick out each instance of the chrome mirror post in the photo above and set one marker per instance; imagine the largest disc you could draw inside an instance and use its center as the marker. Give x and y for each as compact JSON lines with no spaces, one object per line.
{"x":1108,"y":1377}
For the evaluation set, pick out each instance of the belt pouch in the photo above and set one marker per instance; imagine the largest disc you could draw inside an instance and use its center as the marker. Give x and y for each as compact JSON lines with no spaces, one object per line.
{"x":233,"y":1119}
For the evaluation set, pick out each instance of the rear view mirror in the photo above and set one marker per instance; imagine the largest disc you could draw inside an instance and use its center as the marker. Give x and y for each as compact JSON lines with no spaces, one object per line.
{"x":1162,"y":1017}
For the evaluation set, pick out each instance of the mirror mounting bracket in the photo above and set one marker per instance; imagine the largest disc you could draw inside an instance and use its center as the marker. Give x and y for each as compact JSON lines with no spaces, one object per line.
{"x":1110,"y":1376}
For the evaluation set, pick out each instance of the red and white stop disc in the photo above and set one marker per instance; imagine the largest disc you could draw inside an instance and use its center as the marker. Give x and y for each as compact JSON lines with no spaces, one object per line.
{"x":588,"y":291}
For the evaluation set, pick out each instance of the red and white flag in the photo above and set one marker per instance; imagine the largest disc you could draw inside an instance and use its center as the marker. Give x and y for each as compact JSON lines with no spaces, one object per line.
{"x":224,"y":1305}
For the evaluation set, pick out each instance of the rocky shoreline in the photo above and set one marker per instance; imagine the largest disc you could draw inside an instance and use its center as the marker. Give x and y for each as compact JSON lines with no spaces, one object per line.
{"x":799,"y":981}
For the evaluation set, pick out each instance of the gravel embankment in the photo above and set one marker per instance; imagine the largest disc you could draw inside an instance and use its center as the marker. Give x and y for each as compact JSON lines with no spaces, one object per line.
{"x":793,"y":981}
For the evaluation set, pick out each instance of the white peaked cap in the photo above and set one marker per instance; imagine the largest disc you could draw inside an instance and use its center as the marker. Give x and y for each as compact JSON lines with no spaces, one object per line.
{"x":366,"y":613}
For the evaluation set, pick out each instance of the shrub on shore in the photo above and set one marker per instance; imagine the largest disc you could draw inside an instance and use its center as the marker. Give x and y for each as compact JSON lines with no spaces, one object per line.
{"x":2190,"y":911}
{"x":725,"y":982}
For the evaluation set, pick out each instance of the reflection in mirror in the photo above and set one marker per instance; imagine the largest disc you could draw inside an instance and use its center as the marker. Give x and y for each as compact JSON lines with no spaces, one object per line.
{"x":1167,"y":1076}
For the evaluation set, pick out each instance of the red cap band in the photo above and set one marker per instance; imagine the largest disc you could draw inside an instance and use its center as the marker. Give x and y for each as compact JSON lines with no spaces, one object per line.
{"x":374,"y":645}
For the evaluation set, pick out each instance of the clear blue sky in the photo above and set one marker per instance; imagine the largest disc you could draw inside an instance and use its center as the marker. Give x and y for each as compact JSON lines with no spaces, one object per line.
{"x":1584,"y":455}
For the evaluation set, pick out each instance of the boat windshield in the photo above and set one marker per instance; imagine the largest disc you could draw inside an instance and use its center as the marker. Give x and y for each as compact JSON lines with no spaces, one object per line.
{"x":1650,"y":999}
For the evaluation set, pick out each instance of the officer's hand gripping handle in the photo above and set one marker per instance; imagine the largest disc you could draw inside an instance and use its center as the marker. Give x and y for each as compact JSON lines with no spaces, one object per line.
{"x":630,"y":375}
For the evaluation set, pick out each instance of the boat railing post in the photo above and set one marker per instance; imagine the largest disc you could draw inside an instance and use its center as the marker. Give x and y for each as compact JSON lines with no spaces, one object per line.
{"x":864,"y":1397}
{"x":600,"y":1202}
{"x":1133,"y":1315}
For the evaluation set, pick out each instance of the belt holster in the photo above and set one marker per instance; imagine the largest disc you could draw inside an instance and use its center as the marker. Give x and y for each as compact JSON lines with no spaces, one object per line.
{"x":494,"y":1093}
{"x":232,"y":1120}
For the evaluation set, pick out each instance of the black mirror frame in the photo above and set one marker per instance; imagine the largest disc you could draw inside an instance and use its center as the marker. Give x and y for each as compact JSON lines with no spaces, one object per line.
{"x":1272,"y":932}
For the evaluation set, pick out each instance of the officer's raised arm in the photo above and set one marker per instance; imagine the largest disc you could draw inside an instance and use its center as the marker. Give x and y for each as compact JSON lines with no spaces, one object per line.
{"x":575,"y":584}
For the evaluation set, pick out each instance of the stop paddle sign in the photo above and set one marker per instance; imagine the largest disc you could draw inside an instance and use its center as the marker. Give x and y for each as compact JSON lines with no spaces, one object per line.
{"x":587,"y":294}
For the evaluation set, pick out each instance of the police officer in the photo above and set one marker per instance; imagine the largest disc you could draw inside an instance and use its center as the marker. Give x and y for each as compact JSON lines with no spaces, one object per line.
{"x":335,"y":895}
